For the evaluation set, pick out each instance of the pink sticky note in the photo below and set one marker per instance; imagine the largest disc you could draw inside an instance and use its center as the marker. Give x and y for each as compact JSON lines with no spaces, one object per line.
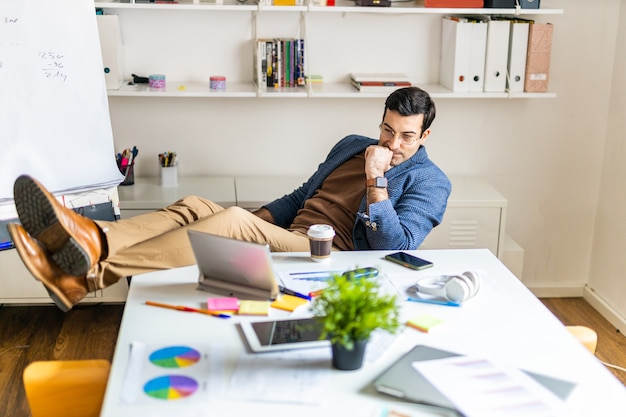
{"x":222,"y":303}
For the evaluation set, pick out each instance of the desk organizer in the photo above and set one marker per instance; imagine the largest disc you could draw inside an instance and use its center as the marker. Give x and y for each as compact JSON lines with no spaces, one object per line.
{"x":169,"y":176}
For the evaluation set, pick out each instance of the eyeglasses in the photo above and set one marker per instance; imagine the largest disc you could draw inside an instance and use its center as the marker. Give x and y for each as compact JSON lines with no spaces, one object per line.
{"x":388,"y":133}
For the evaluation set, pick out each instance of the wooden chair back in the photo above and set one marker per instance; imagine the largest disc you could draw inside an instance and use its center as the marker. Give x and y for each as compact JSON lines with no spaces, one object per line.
{"x":66,"y":388}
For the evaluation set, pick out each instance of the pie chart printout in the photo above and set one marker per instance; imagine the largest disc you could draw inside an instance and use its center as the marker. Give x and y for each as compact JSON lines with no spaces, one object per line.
{"x":175,"y":357}
{"x":171,"y":387}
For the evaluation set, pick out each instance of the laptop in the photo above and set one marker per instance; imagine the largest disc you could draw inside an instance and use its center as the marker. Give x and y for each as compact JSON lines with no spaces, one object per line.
{"x":401,"y":380}
{"x":234,"y":268}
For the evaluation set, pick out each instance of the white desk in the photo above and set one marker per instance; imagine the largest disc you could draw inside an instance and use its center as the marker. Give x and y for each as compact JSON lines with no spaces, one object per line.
{"x":504,"y":321}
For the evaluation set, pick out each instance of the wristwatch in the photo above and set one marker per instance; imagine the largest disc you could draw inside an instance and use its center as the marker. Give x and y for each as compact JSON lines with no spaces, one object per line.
{"x":378,"y":182}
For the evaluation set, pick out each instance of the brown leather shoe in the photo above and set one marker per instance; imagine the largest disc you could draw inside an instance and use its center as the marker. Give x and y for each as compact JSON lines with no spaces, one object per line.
{"x":73,"y":241}
{"x":64,"y":289}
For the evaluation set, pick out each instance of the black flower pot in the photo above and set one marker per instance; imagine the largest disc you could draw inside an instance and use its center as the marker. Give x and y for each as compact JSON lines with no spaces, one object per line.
{"x":349,"y":359}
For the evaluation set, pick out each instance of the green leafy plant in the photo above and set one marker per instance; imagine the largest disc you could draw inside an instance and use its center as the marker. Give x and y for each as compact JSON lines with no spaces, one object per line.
{"x":350,"y":309}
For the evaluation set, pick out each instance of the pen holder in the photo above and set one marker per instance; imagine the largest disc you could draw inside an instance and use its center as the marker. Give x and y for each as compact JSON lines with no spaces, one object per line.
{"x":129,"y":175}
{"x":169,"y":175}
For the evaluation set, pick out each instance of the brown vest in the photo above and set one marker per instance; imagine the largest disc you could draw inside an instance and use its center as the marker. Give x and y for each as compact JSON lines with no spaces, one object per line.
{"x":336,"y":202}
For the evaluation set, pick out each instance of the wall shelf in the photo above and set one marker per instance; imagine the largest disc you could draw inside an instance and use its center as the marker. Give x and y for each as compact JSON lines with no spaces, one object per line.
{"x":342,"y":6}
{"x":321,"y":90}
{"x":235,"y":60}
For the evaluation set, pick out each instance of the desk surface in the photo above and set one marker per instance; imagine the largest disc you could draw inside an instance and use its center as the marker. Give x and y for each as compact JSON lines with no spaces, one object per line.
{"x":504,"y":321}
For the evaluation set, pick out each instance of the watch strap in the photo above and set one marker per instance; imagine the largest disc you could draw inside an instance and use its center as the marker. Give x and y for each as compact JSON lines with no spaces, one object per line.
{"x":378,"y":182}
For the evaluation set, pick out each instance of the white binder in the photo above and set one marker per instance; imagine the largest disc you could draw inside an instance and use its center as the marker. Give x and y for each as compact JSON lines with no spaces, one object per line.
{"x":478,"y":45}
{"x":455,"y":54}
{"x":111,"y":47}
{"x":462,"y":63}
{"x":518,"y":45}
{"x":496,"y":55}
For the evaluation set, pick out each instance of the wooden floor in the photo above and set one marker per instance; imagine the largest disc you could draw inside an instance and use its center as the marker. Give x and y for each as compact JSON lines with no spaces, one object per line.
{"x":30,"y":333}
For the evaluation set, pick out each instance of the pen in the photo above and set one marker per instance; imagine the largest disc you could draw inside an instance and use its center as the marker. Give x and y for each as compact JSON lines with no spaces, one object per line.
{"x":430,"y":301}
{"x":315,"y":272}
{"x":294,"y":293}
{"x":189,"y":309}
{"x":6,"y":245}
{"x":315,"y":293}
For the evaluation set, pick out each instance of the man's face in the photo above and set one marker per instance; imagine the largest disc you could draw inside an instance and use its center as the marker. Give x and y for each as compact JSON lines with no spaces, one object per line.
{"x":402,"y":135}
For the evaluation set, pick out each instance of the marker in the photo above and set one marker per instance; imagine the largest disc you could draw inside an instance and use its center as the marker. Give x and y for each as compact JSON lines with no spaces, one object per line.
{"x":188,"y":309}
{"x":438,"y":302}
{"x":294,"y":293}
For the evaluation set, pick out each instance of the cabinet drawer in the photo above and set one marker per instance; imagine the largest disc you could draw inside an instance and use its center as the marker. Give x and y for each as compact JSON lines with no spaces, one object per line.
{"x":467,"y":227}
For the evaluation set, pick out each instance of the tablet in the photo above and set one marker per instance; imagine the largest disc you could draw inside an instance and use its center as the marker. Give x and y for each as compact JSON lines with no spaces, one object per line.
{"x":283,"y":334}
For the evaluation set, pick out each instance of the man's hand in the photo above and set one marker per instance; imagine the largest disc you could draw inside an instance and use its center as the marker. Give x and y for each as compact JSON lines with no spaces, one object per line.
{"x":377,"y":161}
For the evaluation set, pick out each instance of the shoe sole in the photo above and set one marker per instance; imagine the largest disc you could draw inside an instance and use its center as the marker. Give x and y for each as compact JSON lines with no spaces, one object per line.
{"x":37,"y":214}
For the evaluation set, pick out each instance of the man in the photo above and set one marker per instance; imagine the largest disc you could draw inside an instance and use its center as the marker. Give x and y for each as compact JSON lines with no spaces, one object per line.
{"x":377,"y":194}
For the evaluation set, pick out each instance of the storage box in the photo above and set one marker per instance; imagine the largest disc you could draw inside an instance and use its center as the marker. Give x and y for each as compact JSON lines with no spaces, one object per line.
{"x":454,"y":3}
{"x":510,"y":4}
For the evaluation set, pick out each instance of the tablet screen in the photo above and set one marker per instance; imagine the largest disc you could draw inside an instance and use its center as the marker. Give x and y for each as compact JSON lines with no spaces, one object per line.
{"x":282,"y":332}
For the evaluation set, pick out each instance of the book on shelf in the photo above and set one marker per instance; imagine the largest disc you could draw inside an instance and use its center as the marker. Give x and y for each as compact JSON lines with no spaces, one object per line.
{"x":379,"y":82}
{"x":279,"y":62}
{"x":379,"y":86}
{"x":388,"y":77}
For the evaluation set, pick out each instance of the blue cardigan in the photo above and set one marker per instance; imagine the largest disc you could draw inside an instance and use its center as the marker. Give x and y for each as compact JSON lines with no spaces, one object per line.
{"x":418,"y":195}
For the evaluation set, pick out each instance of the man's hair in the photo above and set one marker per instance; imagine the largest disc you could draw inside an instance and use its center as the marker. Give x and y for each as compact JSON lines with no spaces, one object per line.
{"x":410,"y":101}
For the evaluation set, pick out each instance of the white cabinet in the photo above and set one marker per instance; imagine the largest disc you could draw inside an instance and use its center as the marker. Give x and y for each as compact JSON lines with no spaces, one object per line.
{"x":147,"y":194}
{"x":475,"y":217}
{"x":189,"y":42}
{"x":19,"y":287}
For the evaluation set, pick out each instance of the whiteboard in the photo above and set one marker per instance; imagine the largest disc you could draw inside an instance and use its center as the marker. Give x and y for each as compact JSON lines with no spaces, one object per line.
{"x":54,"y":114}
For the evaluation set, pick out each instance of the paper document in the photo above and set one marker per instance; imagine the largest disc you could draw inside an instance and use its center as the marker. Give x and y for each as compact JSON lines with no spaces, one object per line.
{"x":175,"y":373}
{"x":297,"y":377}
{"x":481,"y":388}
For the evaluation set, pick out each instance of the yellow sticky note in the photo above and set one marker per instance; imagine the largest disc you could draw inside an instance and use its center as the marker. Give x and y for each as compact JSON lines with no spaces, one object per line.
{"x":288,"y":302}
{"x":254,"y":308}
{"x":424,"y":322}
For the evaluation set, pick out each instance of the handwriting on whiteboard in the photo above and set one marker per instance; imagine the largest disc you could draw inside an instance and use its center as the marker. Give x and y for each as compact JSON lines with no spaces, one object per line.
{"x":53,"y":65}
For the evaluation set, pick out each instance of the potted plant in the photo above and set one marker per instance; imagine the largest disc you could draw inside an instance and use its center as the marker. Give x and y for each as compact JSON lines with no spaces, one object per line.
{"x":348,"y":311}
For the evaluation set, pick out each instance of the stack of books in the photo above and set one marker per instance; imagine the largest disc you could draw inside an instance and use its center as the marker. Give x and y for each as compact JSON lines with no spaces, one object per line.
{"x":379,"y":82}
{"x":279,"y":62}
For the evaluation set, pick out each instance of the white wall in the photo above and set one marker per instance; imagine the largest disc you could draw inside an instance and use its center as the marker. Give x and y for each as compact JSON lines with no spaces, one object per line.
{"x":545,"y":155}
{"x":607,"y":280}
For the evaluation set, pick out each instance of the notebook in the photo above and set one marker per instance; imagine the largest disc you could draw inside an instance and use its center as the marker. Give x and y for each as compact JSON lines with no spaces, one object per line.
{"x":233,"y":267}
{"x":403,"y":381}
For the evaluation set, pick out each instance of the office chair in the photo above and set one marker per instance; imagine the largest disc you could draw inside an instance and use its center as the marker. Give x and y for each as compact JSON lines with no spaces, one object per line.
{"x":66,"y":388}
{"x":586,"y":336}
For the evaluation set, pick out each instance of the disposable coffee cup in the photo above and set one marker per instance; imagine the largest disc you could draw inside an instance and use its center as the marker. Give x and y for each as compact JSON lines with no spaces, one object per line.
{"x":321,"y":241}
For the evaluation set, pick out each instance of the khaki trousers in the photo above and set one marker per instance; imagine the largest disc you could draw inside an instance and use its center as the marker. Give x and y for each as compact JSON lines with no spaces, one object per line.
{"x":158,"y":240}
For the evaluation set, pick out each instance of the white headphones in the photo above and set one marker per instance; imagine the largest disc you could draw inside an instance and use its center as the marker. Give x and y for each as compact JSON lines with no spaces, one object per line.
{"x":455,"y":288}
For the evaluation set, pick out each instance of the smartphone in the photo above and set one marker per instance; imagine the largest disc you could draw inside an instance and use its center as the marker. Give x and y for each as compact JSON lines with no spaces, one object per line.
{"x":409,"y":261}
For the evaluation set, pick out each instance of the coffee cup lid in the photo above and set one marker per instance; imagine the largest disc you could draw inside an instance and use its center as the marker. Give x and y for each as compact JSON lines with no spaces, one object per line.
{"x":321,"y":231}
